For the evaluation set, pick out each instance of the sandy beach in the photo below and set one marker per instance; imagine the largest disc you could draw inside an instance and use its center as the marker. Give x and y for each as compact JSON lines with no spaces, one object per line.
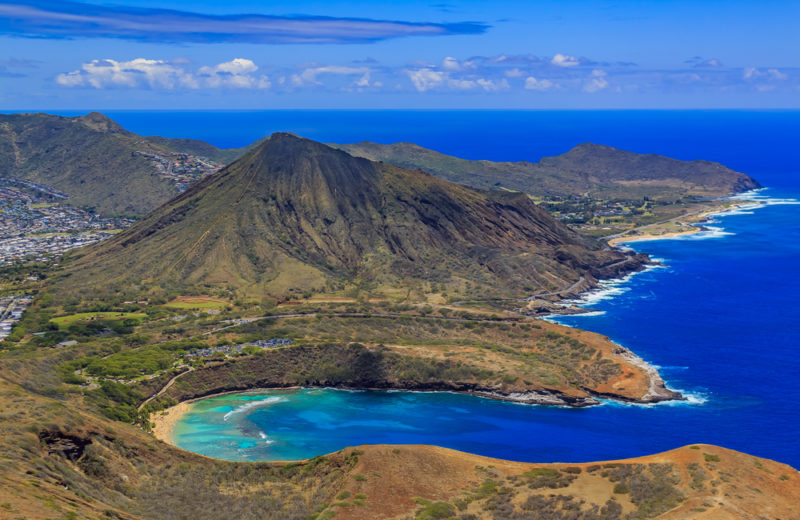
{"x":164,"y":421}
{"x":639,"y":238}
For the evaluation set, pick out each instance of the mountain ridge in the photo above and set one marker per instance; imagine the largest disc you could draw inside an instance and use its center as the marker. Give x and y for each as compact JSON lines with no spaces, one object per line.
{"x":598,"y":170}
{"x":92,"y":158}
{"x":295,"y":208}
{"x":100,"y":165}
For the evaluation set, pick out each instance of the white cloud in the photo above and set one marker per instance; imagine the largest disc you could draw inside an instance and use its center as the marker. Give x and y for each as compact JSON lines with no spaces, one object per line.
{"x":461,"y":84}
{"x":237,"y":73}
{"x":493,"y":86}
{"x":450,"y":63}
{"x":311,"y":75}
{"x":514,"y":73}
{"x":453,"y":65}
{"x":770,"y":74}
{"x":425,"y":79}
{"x":541,"y":85}
{"x":776,"y":74}
{"x":162,"y":74}
{"x":597,"y":82}
{"x":565,"y":60}
{"x":70,"y":79}
{"x":139,"y":72}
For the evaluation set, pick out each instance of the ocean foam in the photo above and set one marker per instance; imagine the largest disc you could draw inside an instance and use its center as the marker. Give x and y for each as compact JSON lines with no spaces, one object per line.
{"x":593,"y":313}
{"x":607,"y":289}
{"x":709,"y":232}
{"x":253,"y":404}
{"x":762,"y":200}
{"x":690,"y":399}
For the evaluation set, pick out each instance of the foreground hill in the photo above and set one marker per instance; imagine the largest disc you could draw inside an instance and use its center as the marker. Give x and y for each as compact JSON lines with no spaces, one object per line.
{"x":61,"y":461}
{"x":92,"y":159}
{"x":296,"y":215}
{"x":600,"y":171}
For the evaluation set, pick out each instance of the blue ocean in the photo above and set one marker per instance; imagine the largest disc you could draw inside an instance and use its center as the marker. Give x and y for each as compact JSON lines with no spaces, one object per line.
{"x":720,"y":317}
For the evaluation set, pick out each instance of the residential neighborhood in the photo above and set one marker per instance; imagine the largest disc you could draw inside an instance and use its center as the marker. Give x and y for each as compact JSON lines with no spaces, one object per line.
{"x":11,"y":309}
{"x":225,"y":350}
{"x":182,"y":169}
{"x":36,"y":225}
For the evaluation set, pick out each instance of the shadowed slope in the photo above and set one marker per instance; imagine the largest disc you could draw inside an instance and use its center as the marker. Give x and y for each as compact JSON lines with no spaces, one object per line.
{"x":296,"y":214}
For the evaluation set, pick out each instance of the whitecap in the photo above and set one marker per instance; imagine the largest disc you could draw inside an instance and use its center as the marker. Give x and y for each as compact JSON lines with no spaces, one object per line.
{"x":265,"y":438}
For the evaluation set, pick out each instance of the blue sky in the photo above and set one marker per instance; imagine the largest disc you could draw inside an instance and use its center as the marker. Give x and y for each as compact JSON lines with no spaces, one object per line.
{"x":239,"y":54}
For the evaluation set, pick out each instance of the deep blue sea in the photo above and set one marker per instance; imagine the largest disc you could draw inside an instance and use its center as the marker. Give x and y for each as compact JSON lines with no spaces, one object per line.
{"x":721,"y":319}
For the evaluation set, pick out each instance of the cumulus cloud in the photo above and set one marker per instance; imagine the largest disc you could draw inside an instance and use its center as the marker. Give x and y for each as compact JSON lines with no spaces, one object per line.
{"x":452,"y":64}
{"x":162,"y":74}
{"x":565,"y":60}
{"x":750,"y":73}
{"x":66,"y":19}
{"x":310,"y":75}
{"x":490,"y":85}
{"x":471,"y":75}
{"x":776,"y":74}
{"x":769,"y":74}
{"x":238,"y":73}
{"x":461,"y":84}
{"x":541,"y":85}
{"x":425,"y":79}
{"x":597,"y":82}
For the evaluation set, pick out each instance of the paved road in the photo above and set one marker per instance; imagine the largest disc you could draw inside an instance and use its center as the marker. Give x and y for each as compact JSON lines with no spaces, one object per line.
{"x":164,"y":388}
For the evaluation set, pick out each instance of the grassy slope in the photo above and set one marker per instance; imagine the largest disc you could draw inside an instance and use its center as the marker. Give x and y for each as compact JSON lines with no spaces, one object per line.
{"x":603,"y":171}
{"x":700,"y":481}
